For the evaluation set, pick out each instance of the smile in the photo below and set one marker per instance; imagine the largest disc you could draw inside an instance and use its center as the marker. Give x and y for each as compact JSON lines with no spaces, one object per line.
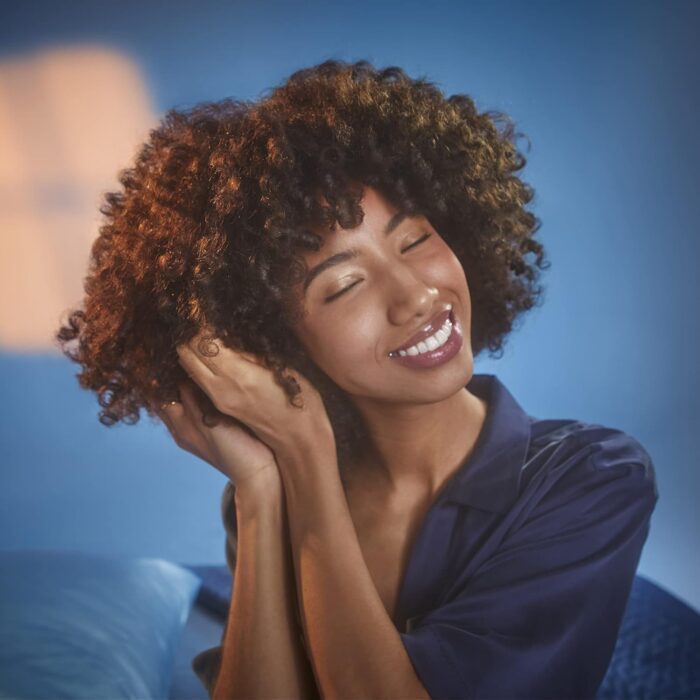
{"x":433,"y":342}
{"x":434,"y":350}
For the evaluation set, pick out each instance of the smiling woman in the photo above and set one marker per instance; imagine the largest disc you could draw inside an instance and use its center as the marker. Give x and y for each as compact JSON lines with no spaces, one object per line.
{"x":298,"y":287}
{"x":228,"y":183}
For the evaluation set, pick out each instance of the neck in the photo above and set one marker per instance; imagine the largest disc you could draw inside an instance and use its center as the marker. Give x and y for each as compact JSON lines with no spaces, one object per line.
{"x":415,"y":449}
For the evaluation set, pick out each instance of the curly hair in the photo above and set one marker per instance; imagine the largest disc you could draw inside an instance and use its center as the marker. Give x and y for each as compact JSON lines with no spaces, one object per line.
{"x":211,"y":221}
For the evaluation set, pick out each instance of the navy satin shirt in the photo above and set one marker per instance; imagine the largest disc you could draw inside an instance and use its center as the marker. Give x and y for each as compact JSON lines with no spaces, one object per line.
{"x":519,"y":575}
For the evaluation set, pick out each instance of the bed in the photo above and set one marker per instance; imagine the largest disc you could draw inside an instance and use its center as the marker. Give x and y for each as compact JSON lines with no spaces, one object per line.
{"x":657,"y":655}
{"x":82,"y":625}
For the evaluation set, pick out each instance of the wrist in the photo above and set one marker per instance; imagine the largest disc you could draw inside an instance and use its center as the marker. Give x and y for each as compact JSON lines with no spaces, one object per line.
{"x":258,"y":491}
{"x":306,"y":469}
{"x":307,"y":448}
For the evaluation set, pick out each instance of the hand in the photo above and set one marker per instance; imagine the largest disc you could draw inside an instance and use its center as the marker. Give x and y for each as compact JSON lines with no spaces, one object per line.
{"x":224,"y":443}
{"x":241,"y":387}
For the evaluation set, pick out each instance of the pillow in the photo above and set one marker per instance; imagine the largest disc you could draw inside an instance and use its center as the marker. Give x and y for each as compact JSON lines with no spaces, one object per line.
{"x":217,"y":586}
{"x":81,"y":625}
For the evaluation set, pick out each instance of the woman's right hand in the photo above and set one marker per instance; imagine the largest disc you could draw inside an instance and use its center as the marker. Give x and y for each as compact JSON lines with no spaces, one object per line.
{"x":227,"y":445}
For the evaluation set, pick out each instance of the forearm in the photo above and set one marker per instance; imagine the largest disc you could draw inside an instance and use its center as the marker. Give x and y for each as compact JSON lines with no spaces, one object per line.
{"x":262,"y":653}
{"x":356,"y":650}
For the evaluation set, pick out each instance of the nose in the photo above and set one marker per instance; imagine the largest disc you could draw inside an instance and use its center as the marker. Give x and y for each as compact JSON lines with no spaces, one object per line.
{"x":409,"y":295}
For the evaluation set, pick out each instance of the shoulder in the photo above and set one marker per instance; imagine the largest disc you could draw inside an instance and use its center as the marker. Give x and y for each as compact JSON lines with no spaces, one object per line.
{"x":599,"y":446}
{"x":571,"y":456}
{"x":586,"y":490}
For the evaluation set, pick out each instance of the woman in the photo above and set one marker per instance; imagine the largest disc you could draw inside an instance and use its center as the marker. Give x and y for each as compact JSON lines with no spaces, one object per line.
{"x":298,"y":286}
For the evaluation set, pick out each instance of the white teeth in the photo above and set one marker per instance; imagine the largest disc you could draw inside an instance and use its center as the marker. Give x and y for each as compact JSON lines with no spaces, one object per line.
{"x":433,"y":342}
{"x":436,"y":340}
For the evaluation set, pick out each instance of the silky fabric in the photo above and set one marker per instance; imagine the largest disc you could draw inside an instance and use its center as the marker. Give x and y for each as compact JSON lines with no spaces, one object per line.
{"x":518,"y":578}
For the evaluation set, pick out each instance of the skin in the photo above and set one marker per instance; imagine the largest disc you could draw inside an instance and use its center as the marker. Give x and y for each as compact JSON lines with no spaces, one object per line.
{"x":242,"y":390}
{"x":227,"y":446}
{"x":422,"y":422}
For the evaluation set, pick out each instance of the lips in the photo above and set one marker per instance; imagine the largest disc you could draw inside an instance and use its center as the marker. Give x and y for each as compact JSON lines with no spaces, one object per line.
{"x":426,"y":330}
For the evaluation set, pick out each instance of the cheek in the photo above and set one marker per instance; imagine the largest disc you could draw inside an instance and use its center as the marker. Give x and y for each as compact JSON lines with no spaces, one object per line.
{"x":352,"y":336}
{"x":343,"y":347}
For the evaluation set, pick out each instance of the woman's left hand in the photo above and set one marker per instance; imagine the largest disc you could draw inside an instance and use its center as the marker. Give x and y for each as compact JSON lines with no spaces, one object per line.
{"x":240,"y":386}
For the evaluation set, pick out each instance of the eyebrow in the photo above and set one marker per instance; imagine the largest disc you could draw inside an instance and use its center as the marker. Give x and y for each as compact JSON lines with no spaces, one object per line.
{"x":345,"y":255}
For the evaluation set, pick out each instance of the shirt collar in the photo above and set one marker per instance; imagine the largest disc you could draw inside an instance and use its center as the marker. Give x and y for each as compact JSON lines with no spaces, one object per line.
{"x":489,"y":479}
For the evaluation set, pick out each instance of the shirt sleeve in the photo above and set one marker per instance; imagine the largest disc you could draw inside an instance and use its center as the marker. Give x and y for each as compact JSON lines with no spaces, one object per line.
{"x":539,"y":618}
{"x":207,"y":663}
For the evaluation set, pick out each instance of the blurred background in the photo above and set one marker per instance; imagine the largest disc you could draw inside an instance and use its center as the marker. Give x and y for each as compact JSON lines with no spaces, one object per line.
{"x":607,"y":94}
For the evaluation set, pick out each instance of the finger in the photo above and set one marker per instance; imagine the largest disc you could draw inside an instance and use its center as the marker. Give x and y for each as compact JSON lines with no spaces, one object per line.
{"x":206,"y":346}
{"x":195,"y":402}
{"x":161,"y":410}
{"x":200,"y":405}
{"x":182,"y":419}
{"x":171,"y":412}
{"x":210,"y":352}
{"x":194,"y":363}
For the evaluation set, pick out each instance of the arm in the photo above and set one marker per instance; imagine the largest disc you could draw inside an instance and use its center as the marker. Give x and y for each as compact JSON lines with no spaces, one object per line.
{"x":262,"y":653}
{"x":356,"y":650}
{"x":538,"y":619}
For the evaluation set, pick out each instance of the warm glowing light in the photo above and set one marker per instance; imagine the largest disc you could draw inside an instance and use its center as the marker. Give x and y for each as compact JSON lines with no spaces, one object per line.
{"x":70,"y":119}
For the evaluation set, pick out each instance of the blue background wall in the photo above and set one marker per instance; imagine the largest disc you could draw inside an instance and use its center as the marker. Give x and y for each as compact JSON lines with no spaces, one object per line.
{"x":607,"y":93}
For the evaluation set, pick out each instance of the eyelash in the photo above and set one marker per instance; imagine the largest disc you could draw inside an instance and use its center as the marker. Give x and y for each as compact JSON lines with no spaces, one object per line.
{"x":424,"y":237}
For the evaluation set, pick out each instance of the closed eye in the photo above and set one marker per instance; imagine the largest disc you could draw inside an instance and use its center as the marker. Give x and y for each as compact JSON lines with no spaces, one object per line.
{"x":423,"y":238}
{"x":342,"y":291}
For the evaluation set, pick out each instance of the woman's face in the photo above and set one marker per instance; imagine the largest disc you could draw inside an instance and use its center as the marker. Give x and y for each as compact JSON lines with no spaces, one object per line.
{"x":398,"y":281}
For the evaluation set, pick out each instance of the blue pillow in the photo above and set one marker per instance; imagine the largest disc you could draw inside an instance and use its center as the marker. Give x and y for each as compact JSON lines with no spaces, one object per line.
{"x":82,"y":625}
